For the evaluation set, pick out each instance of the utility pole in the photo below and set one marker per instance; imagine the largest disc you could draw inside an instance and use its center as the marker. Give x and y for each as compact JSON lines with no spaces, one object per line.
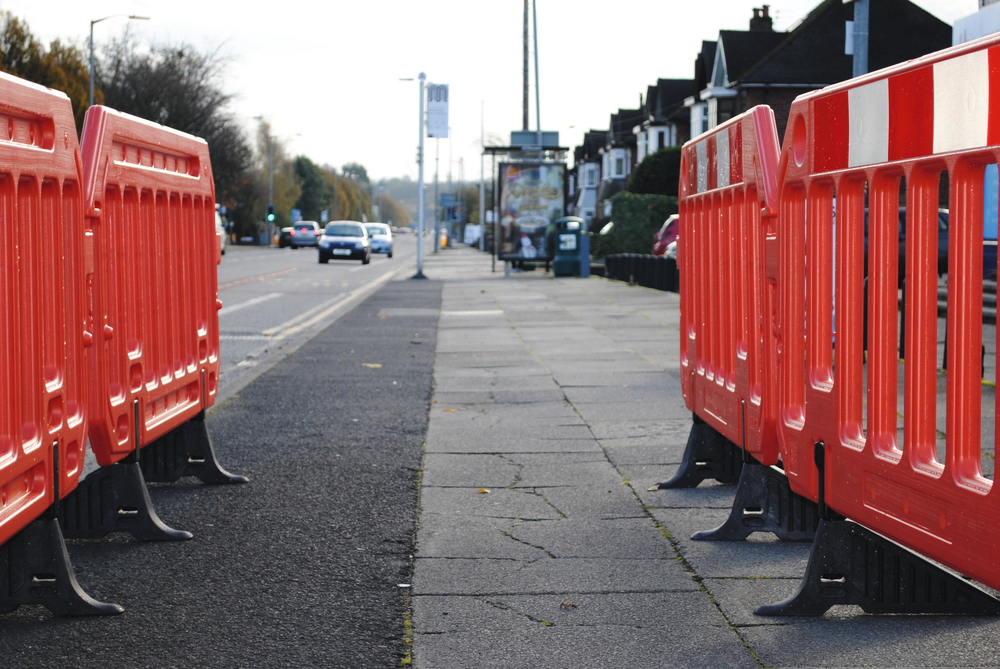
{"x":437,"y":228}
{"x":538,"y":105}
{"x":420,"y":188}
{"x":525,"y":102}
{"x":482,"y":180}
{"x":860,"y":37}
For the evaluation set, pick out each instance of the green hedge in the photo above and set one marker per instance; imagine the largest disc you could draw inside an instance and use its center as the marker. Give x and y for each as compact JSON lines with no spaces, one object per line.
{"x":636,"y":218}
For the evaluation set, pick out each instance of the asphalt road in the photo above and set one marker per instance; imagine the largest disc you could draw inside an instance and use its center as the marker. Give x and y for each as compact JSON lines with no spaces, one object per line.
{"x":305,"y":564}
{"x":274,"y":299}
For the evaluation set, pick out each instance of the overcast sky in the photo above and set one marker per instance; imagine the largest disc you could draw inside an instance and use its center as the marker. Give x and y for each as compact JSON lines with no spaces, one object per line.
{"x":327,"y":74}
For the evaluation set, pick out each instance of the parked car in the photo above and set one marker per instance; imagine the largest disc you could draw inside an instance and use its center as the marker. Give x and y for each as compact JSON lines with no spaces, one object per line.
{"x":347,"y":240}
{"x":220,"y":230}
{"x":381,"y":236}
{"x":671,"y":251}
{"x":942,"y":230}
{"x":665,"y":235}
{"x":304,"y":233}
{"x":285,"y":237}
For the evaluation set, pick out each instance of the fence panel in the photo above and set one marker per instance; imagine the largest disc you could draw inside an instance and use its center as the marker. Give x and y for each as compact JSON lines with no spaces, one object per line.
{"x":150,"y":200}
{"x":728,"y":200}
{"x":45,"y":262}
{"x":852,"y":148}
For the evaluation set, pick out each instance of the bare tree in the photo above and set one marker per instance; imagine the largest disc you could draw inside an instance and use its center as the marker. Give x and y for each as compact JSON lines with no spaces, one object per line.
{"x":181,"y":88}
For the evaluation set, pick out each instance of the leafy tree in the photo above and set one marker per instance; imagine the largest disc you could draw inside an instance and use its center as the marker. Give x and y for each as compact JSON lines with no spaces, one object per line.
{"x":179,"y":87}
{"x":61,"y":67}
{"x":355,"y":172}
{"x":315,"y":191}
{"x":658,"y":173}
{"x":391,"y":210}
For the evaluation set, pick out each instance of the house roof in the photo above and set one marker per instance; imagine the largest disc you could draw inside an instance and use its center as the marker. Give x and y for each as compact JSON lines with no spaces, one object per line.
{"x":589,"y":151}
{"x":703,"y":65}
{"x":813,"y":53}
{"x":665,"y":97}
{"x":620,"y":131}
{"x":742,"y":49}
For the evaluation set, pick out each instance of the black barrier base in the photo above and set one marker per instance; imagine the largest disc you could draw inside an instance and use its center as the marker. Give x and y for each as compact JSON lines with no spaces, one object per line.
{"x":184,"y":451}
{"x":850,"y":564}
{"x":114,"y":499}
{"x":765,"y":503}
{"x":708,"y":455}
{"x":35,"y":569}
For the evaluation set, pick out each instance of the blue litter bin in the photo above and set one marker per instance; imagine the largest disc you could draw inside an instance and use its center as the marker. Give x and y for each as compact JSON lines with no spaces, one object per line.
{"x":564,"y":237}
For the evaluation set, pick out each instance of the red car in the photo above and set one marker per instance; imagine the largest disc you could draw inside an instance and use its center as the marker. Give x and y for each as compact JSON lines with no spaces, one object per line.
{"x":665,"y":235}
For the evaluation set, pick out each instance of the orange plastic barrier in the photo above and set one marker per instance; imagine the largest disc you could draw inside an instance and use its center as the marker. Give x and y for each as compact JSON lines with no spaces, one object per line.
{"x":45,"y":259}
{"x":909,"y":124}
{"x":150,"y":202}
{"x":728,"y":201}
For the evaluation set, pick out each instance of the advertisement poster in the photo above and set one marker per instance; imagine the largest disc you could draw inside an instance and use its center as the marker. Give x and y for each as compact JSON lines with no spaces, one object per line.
{"x":531,"y":197}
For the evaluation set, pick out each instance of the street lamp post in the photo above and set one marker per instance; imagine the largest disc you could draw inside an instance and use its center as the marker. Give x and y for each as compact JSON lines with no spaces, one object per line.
{"x":95,"y":21}
{"x":420,"y":188}
{"x":420,"y":185}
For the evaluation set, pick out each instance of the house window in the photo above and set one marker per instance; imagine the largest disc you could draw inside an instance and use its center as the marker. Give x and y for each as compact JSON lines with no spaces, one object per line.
{"x":591,"y":175}
{"x":661,"y":141}
{"x":619,"y":166}
{"x":726,"y":109}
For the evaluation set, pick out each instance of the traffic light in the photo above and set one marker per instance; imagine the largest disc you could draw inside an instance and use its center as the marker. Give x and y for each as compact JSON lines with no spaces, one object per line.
{"x":270,"y":213}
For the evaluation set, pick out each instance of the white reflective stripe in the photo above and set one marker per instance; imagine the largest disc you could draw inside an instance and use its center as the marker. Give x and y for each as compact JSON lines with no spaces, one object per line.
{"x":722,"y":159}
{"x":961,"y":102}
{"x":701,"y":152}
{"x":868,"y":110}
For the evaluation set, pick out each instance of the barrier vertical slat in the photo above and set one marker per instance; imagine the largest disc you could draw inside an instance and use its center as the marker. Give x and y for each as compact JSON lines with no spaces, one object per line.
{"x":920,"y":396}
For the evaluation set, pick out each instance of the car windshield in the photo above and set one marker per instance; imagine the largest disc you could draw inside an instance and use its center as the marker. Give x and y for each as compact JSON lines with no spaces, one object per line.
{"x":344,"y":230}
{"x":377,"y":230}
{"x":304,"y":228}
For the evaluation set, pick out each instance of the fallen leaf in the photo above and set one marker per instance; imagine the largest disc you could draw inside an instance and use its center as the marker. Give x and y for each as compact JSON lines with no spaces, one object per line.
{"x":485,"y":491}
{"x":372,"y":365}
{"x":451,"y":410}
{"x":567,"y":605}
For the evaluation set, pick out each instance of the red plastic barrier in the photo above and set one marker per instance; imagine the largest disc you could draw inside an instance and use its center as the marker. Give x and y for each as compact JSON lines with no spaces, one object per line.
{"x":44,"y":261}
{"x":150,"y":201}
{"x":728,"y":199}
{"x":915,"y":122}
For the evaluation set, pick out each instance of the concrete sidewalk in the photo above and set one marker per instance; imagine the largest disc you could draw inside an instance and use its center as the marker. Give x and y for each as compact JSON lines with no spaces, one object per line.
{"x":556,"y":405}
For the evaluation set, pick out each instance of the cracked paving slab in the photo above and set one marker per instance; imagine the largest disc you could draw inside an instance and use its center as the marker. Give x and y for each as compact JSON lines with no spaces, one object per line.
{"x":533,"y":546}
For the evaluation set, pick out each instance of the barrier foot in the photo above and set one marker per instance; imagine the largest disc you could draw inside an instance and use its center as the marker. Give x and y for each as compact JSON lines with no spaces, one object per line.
{"x":184,"y":451}
{"x":766,"y":503}
{"x":35,"y":569}
{"x":850,"y":564}
{"x":708,"y":455}
{"x":114,"y":499}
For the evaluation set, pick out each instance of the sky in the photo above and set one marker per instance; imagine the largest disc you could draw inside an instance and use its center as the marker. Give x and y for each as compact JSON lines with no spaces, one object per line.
{"x":328,"y":76}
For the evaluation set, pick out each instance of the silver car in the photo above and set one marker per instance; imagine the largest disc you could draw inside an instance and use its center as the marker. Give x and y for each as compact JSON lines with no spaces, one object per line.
{"x":381,"y":236}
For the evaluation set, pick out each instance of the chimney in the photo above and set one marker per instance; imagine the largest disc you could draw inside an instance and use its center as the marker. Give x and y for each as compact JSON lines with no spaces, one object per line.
{"x":761,"y":21}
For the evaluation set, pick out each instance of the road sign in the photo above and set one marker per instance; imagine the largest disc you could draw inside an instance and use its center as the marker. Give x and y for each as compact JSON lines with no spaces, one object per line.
{"x":437,"y":110}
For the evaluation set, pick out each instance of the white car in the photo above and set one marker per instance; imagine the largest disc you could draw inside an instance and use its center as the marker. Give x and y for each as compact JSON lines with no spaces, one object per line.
{"x":220,"y":230}
{"x":381,"y":236}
